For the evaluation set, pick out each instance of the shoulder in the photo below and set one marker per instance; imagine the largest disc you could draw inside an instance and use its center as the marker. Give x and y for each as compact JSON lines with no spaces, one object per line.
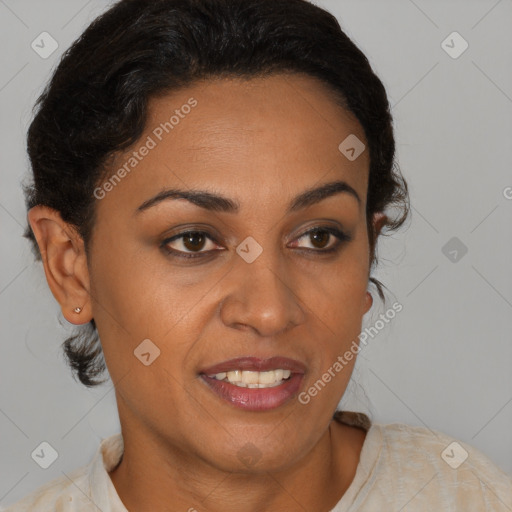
{"x":63,"y":494}
{"x":426,"y":465}
{"x":86,"y":488}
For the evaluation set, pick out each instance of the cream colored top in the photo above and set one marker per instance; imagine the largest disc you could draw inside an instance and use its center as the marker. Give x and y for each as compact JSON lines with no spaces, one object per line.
{"x":401,"y":468}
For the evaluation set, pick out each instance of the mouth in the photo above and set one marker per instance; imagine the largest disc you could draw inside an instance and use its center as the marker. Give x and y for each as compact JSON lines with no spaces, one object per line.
{"x":255,"y":384}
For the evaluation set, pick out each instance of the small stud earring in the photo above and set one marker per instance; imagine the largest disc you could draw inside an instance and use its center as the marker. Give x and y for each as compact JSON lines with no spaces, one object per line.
{"x":77,"y":310}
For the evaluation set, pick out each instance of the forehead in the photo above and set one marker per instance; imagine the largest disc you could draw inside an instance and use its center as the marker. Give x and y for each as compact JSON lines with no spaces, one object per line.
{"x":300,"y":110}
{"x":281,"y":130}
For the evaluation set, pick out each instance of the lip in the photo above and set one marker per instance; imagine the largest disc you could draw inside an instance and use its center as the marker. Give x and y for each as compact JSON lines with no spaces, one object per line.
{"x":256,"y":364}
{"x":256,"y":399}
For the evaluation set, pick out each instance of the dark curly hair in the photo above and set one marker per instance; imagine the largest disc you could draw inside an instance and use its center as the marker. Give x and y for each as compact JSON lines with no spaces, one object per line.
{"x":95,"y":104}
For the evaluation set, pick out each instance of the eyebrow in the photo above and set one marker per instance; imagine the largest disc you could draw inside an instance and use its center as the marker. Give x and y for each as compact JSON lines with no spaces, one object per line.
{"x":218,"y":203}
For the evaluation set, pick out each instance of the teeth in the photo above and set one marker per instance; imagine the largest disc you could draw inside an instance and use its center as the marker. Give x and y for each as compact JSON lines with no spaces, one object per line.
{"x":250,"y":379}
{"x":233,"y":377}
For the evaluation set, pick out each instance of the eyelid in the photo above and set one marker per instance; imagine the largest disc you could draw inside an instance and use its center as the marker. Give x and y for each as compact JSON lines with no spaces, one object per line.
{"x":340,"y":235}
{"x":187,"y":254}
{"x":336,"y":232}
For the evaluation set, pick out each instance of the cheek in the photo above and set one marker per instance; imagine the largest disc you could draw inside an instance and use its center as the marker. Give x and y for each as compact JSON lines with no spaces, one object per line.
{"x":337,"y":291}
{"x":336,"y":299}
{"x":337,"y":313}
{"x":138,"y":298}
{"x":134,"y":293}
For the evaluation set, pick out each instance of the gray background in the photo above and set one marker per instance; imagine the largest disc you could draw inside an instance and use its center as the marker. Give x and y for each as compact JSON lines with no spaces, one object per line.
{"x":444,"y":362}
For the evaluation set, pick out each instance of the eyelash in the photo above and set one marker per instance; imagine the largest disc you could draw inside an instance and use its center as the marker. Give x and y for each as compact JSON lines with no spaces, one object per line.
{"x":340,"y":235}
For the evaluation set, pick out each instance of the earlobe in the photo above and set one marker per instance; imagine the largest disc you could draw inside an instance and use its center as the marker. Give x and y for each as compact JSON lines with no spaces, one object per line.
{"x":64,"y":261}
{"x":368,"y":302}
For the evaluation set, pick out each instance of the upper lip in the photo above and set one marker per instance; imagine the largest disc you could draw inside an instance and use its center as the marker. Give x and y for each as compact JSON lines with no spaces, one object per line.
{"x":256,"y":364}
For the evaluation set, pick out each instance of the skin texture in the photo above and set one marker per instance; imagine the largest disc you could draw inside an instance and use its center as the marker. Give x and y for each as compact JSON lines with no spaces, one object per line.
{"x":260,"y":143}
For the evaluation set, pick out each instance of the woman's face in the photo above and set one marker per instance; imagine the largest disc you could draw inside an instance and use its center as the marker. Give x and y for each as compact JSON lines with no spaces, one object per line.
{"x":246,"y":283}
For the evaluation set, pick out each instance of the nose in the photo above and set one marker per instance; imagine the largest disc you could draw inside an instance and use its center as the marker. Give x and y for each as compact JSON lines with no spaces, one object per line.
{"x":261,"y":296}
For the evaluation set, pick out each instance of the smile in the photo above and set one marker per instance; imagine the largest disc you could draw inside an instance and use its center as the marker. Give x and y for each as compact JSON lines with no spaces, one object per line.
{"x":254,"y":384}
{"x":250,"y":379}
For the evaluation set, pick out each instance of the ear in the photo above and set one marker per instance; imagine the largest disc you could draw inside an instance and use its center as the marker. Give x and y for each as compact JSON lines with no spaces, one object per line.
{"x":379,"y":219}
{"x":368,"y":302}
{"x":64,"y":260}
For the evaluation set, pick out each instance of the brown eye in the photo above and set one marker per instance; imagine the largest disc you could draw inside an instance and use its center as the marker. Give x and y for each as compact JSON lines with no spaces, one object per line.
{"x":194,"y":241}
{"x":319,"y":238}
{"x":189,"y":244}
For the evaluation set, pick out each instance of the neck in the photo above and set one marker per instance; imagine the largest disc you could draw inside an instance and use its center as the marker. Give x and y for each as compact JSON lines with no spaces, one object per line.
{"x":153,"y":475}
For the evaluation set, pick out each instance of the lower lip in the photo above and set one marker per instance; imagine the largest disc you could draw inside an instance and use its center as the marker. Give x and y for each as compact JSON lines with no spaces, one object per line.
{"x":255,"y":399}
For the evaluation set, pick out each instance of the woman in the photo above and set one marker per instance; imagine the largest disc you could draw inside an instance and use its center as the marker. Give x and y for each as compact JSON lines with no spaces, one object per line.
{"x":210,"y":180}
